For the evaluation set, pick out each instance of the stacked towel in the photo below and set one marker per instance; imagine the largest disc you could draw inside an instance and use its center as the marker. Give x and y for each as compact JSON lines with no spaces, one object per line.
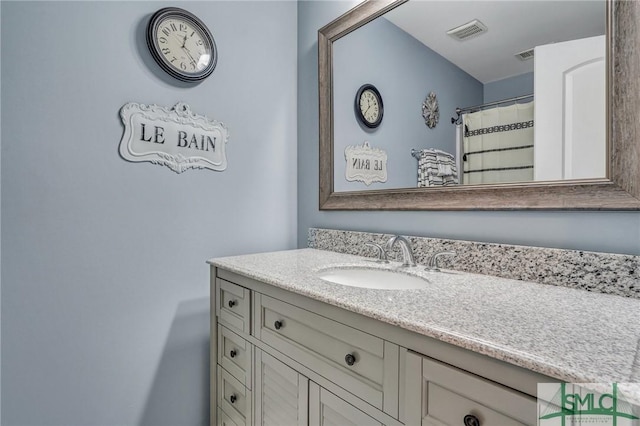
{"x":436,"y":168}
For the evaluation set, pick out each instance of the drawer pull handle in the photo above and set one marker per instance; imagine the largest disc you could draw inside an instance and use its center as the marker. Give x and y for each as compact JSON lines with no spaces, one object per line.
{"x":350,"y":359}
{"x":233,"y":399}
{"x":232,"y":303}
{"x":471,"y":420}
{"x":233,"y":353}
{"x":278,"y":325}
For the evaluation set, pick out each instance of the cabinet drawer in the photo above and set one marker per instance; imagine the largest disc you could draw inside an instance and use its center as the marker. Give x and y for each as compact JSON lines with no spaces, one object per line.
{"x":450,"y":408}
{"x":223,"y":419}
{"x":234,"y":398}
{"x":235,"y":355}
{"x":323,"y":345}
{"x":450,"y":394}
{"x":233,"y":306}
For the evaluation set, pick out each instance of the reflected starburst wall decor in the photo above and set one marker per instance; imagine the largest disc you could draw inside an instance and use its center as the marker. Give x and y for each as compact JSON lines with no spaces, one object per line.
{"x":430,"y":110}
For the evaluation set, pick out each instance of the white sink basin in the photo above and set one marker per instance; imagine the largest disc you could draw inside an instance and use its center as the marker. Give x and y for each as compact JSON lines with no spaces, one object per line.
{"x":381,"y":279}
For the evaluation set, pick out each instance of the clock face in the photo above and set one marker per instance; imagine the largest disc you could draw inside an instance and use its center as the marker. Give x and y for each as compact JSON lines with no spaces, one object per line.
{"x":369,"y":106}
{"x":181,"y":44}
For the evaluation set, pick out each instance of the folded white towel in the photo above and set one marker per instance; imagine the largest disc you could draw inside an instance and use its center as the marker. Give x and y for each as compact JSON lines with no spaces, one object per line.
{"x":445,"y":169}
{"x":444,"y":157}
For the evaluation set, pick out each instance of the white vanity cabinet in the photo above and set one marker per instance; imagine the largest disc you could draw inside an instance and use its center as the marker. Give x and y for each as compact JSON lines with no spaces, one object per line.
{"x":279,"y":358}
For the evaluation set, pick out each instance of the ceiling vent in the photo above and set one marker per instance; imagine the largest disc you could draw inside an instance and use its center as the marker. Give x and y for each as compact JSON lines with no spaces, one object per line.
{"x":468,"y":30}
{"x":525,"y":55}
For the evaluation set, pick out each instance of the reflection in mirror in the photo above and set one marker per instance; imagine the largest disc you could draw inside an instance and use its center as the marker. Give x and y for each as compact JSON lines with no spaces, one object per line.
{"x":493,"y":127}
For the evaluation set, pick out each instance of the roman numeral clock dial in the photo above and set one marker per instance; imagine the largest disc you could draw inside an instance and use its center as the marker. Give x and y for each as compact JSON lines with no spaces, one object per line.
{"x":181,"y":44}
{"x":368,"y":106}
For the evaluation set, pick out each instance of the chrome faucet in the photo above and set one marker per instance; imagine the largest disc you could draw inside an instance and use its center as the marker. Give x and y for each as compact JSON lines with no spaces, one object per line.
{"x":407,"y":253}
{"x":433,"y":262}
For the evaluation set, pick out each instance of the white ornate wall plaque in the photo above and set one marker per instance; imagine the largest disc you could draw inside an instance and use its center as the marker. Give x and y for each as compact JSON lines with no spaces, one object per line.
{"x":365,"y":164}
{"x":177,"y":137}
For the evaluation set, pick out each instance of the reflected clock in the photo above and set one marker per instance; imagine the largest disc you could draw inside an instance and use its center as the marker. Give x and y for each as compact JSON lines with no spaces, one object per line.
{"x":368,"y":106}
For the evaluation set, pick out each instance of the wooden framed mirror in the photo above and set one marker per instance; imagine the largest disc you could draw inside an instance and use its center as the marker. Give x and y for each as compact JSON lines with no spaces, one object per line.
{"x":619,"y":190}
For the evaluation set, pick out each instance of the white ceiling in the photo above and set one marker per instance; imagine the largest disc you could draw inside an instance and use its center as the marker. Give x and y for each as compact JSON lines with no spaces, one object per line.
{"x":513,"y":26}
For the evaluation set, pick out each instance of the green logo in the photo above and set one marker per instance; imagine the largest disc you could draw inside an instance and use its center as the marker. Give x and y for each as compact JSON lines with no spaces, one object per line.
{"x":566,"y":404}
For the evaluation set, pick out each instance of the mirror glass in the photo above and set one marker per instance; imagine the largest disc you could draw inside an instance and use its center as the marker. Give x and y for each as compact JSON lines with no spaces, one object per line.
{"x":471,"y":92}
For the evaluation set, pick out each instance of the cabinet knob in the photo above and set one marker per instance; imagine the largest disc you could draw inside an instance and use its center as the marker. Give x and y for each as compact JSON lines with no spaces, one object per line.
{"x":278,"y":325}
{"x":350,"y":359}
{"x":233,"y":353}
{"x":232,"y":303}
{"x":471,"y":420}
{"x":233,"y":398}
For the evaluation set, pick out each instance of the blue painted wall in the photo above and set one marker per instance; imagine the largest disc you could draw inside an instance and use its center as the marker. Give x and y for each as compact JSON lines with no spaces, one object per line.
{"x":404,"y":71}
{"x":617,"y":232}
{"x":105,"y":298}
{"x":105,"y":290}
{"x":508,"y":88}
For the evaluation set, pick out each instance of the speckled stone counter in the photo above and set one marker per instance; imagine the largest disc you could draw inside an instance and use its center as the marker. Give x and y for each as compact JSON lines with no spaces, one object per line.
{"x":568,"y":334}
{"x":609,"y":273}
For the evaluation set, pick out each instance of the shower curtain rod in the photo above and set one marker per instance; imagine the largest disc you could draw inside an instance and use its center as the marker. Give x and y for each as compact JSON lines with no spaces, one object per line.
{"x":459,"y":111}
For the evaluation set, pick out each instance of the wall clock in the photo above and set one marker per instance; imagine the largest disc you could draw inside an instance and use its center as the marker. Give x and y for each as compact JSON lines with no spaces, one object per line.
{"x":368,"y":106}
{"x":181,"y":44}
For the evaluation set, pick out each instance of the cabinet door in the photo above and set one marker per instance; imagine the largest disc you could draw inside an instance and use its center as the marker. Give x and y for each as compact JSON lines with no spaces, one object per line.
{"x":326,"y":409}
{"x":281,"y":393}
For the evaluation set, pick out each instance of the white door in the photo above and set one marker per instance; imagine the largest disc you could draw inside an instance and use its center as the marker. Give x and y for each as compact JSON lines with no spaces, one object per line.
{"x":570,"y":122}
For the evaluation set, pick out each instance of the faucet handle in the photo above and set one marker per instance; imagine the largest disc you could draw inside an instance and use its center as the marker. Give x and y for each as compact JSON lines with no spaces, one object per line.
{"x":382,"y":253}
{"x":433,"y":262}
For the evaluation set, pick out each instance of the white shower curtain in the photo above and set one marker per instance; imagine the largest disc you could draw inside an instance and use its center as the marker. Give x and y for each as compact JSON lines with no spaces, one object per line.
{"x":459,"y":163}
{"x":498,"y":145}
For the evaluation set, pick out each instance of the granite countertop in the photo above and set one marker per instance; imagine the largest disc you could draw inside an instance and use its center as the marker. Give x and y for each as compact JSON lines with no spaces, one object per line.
{"x":571,"y":335}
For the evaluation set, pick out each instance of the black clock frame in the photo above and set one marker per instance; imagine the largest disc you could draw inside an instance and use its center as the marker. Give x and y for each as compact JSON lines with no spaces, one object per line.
{"x":358,"y":111}
{"x":155,"y":48}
